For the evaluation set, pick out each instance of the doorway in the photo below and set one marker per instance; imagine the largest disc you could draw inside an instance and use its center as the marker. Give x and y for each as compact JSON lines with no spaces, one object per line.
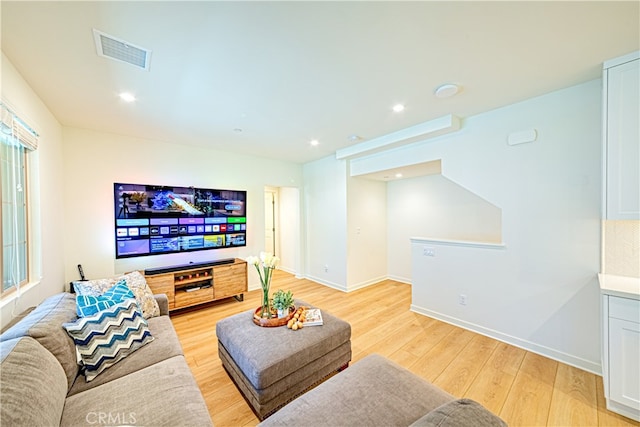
{"x":282,"y":234}
{"x":270,"y":224}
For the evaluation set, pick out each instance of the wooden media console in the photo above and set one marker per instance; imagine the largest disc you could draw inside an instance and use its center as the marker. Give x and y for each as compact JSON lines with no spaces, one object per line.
{"x":193,"y":284}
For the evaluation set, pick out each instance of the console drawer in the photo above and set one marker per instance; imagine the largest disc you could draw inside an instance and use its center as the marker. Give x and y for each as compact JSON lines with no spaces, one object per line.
{"x":186,"y":299}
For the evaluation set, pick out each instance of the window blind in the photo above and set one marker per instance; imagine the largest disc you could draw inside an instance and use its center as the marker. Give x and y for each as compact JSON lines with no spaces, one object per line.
{"x":18,"y":128}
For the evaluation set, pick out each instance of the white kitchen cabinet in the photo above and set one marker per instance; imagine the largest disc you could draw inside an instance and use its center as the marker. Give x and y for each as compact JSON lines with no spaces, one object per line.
{"x":624,"y":363}
{"x":621,"y":137}
{"x":621,"y":344}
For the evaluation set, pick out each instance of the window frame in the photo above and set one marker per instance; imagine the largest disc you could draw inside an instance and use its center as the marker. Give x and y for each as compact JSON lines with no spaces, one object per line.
{"x":24,"y":139}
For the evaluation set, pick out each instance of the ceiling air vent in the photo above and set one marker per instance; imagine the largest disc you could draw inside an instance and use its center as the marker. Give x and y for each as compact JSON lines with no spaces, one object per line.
{"x":120,"y":50}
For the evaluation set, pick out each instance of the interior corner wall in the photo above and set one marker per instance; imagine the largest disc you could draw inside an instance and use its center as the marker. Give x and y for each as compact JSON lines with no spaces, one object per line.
{"x":95,"y":160}
{"x":325,"y":207}
{"x":366,"y":232}
{"x":20,"y":96}
{"x":437,"y":207}
{"x":543,"y":294}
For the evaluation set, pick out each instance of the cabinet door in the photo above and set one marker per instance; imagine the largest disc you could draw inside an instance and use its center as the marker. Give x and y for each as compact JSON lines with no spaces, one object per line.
{"x":622,"y":132}
{"x":229,"y":280}
{"x":162,"y":284}
{"x":624,"y":365}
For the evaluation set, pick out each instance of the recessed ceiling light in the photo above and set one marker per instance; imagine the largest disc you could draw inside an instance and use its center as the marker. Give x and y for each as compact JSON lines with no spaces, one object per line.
{"x":398,"y":175}
{"x":314,"y":142}
{"x":354,"y":138}
{"x":446,"y":90}
{"x":398,"y":108}
{"x":127,"y":97}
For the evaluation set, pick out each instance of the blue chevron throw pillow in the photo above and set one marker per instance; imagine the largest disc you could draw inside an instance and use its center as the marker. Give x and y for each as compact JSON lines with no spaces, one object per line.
{"x":105,"y":338}
{"x":87,"y":305}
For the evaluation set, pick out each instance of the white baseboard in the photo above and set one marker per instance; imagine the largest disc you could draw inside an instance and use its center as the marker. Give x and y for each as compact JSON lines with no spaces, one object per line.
{"x":327,"y":283}
{"x":587,"y":365}
{"x":344,"y":288}
{"x":366,"y":283}
{"x":625,"y":410}
{"x":400,"y":279}
{"x":288,"y":270}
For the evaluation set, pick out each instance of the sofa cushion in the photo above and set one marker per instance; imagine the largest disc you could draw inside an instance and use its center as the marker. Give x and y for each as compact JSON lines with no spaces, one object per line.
{"x":88,"y":305}
{"x":45,"y":325}
{"x":135,"y":281}
{"x":164,"y":346}
{"x":461,"y":412}
{"x":33,"y":384}
{"x":164,"y":394}
{"x":109,"y":336}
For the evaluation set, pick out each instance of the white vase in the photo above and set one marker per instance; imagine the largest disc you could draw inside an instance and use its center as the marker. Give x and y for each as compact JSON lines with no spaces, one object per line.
{"x":283,"y":313}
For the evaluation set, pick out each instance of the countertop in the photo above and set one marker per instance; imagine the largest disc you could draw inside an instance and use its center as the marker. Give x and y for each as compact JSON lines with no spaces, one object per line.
{"x":619,"y":286}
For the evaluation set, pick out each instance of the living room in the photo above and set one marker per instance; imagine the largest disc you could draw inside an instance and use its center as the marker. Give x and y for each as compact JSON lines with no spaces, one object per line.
{"x":540,"y":200}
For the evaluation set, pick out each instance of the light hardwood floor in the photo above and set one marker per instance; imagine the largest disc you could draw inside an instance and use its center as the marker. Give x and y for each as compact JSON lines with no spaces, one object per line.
{"x":523,"y":388}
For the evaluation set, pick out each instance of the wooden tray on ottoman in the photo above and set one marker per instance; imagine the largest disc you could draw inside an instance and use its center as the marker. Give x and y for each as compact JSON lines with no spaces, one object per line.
{"x":274,"y":321}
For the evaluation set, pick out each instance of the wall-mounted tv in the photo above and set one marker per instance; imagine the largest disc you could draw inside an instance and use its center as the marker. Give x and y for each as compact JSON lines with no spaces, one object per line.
{"x":159,"y":219}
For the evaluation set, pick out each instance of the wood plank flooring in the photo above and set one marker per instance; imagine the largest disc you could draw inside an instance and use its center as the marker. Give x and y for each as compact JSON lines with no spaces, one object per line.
{"x":523,"y":388}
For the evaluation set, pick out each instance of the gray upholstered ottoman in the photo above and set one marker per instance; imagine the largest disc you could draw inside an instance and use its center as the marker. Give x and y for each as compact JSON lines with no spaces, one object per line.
{"x":272,"y":366}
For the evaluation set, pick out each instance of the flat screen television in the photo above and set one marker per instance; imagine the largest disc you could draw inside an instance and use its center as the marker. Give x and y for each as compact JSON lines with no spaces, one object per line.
{"x":160,"y":219}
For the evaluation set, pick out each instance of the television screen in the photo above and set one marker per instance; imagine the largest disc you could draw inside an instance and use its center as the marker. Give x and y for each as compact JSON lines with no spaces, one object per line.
{"x":154,"y":220}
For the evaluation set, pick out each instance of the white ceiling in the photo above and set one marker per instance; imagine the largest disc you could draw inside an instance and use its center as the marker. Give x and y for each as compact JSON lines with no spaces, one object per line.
{"x":288,"y":72}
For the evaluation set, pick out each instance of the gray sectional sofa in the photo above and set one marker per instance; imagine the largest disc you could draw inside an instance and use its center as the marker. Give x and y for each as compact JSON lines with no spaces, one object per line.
{"x":375,"y":391}
{"x":41,"y":383}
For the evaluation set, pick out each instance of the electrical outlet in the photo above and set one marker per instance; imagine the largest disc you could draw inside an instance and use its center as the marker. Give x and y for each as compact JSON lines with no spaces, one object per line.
{"x":326,"y":268}
{"x":427,"y":251}
{"x":462,"y":299}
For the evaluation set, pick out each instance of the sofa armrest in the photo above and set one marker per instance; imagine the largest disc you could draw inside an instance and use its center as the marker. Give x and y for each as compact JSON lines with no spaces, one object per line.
{"x":163,"y":303}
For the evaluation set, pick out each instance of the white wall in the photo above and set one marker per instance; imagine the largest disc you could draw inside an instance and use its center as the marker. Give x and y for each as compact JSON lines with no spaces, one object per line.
{"x":325,"y":213}
{"x":95,"y":160}
{"x":437,"y":207}
{"x":541,"y":291}
{"x":49,"y":233}
{"x":345,"y":223}
{"x":366,"y":232}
